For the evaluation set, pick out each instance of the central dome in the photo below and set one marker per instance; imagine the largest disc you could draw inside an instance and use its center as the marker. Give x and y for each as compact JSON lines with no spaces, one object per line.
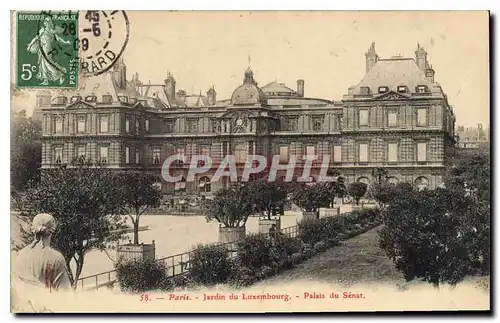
{"x":248,"y":93}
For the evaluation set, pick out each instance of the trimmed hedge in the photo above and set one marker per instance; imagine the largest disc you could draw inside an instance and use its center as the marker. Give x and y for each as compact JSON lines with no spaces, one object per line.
{"x":210,"y":265}
{"x":142,"y":275}
{"x":259,"y":255}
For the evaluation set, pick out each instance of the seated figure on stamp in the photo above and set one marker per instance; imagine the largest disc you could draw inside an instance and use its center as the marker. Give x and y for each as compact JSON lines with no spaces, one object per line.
{"x":44,"y":46}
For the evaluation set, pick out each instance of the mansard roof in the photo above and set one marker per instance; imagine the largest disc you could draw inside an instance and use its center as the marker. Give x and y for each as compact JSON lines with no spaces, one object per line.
{"x":394,"y":72}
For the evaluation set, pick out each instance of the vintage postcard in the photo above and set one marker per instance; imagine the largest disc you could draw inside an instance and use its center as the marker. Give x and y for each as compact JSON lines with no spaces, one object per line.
{"x":237,"y":161}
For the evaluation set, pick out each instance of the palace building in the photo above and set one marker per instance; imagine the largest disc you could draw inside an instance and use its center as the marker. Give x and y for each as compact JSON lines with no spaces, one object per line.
{"x":397,"y":117}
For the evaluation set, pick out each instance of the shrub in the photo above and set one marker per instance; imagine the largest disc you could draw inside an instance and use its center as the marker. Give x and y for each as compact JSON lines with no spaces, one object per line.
{"x":210,"y":265}
{"x":141,"y":274}
{"x":258,"y":250}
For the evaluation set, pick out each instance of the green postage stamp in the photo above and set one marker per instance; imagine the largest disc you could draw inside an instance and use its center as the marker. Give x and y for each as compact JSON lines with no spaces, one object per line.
{"x":47,"y":49}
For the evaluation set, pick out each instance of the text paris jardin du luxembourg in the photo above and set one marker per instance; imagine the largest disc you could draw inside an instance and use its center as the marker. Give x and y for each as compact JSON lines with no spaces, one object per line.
{"x":253,"y":296}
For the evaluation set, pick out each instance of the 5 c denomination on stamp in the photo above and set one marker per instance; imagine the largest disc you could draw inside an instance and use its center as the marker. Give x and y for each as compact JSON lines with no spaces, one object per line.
{"x":47,"y":49}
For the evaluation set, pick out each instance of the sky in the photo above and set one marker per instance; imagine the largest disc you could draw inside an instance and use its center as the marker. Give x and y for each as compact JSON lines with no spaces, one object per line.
{"x":325,"y":48}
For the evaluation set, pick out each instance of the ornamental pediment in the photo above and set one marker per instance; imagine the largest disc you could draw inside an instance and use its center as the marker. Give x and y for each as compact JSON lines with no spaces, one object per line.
{"x":391,"y":95}
{"x":80,"y":105}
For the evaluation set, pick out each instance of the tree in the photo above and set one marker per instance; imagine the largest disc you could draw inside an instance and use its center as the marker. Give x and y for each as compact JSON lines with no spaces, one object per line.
{"x":231,"y":206}
{"x":382,"y":193}
{"x":267,"y":196}
{"x":25,"y":150}
{"x":380,"y":175}
{"x":311,"y":198}
{"x":424,"y":236}
{"x":337,"y":187}
{"x":139,"y":193}
{"x":84,"y":200}
{"x":357,"y":190}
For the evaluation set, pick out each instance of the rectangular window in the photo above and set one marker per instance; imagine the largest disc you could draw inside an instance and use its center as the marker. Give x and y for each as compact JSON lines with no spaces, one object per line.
{"x":146,"y":125}
{"x":58,"y":155}
{"x":421,"y":117}
{"x":182,"y":152}
{"x":293,"y":123}
{"x":81,"y":124}
{"x":363,"y":153}
{"x":169,"y":126}
{"x":283,"y":154}
{"x":59,"y":125}
{"x":337,"y":153}
{"x":310,"y":151}
{"x":104,"y":123}
{"x":80,"y":152}
{"x":224,"y":149}
{"x":250,"y":147}
{"x":241,"y":153}
{"x":127,"y":155}
{"x":317,"y":123}
{"x":205,"y":151}
{"x":192,"y":126}
{"x":103,"y":154}
{"x":156,"y":155}
{"x":136,"y":125}
{"x":215,"y":125}
{"x":422,"y":152}
{"x":127,"y":125}
{"x":392,"y":119}
{"x":363,"y":117}
{"x":137,"y":156}
{"x":392,"y":152}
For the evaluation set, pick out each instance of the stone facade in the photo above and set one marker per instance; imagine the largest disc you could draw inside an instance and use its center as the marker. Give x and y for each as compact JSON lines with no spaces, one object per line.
{"x":397,"y":117}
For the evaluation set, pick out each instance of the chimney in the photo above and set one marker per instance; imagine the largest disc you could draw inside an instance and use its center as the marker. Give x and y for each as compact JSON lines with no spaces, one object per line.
{"x":429,"y":74}
{"x":300,"y":88}
{"x":170,"y":86}
{"x":421,"y":58}
{"x":120,"y":73}
{"x":212,"y":96}
{"x":371,"y":57}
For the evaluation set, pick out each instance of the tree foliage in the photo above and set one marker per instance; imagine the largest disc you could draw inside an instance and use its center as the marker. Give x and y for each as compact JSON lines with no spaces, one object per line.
{"x":267,"y":196}
{"x":25,"y":150}
{"x":357,"y":190}
{"x":85,"y":201}
{"x":138,"y":193}
{"x":441,"y":235}
{"x":311,"y":198}
{"x":231,"y":206}
{"x":337,"y":187}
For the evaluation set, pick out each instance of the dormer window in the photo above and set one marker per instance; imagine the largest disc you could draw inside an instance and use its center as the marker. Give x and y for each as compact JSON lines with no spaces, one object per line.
{"x":383,"y":89}
{"x":61,"y":100}
{"x":421,"y":89}
{"x":75,"y":98}
{"x":402,"y":89}
{"x":364,"y":90}
{"x":123,"y":99}
{"x":90,"y":98}
{"x":107,"y":98}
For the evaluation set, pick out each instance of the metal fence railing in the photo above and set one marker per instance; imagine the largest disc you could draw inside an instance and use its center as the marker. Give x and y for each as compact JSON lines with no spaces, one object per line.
{"x":178,"y":264}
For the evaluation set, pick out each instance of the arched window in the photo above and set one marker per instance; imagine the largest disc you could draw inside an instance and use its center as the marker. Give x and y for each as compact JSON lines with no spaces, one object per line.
{"x":421,"y":182}
{"x":364,"y":179}
{"x":392,"y":181}
{"x":204,"y":184}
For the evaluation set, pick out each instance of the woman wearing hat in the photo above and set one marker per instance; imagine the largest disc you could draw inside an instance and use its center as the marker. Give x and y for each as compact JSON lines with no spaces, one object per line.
{"x":40,"y":264}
